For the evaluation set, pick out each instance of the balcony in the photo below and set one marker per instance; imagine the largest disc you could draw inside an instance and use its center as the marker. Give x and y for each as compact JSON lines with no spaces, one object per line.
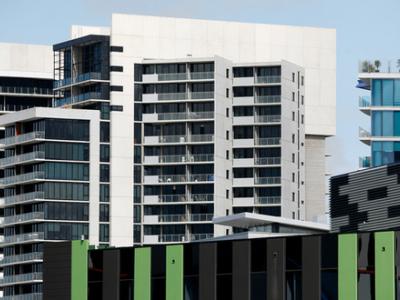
{"x":78,"y":79}
{"x":172,"y":218}
{"x":23,"y":218}
{"x":23,"y":138}
{"x":185,"y":116}
{"x":26,"y":91}
{"x":23,"y":198}
{"x":172,"y":198}
{"x":200,"y":236}
{"x":22,"y":158}
{"x":172,"y":96}
{"x":268,"y":180}
{"x":31,"y":296}
{"x":268,"y":99}
{"x":378,"y":66}
{"x":365,"y":162}
{"x":201,"y":177}
{"x":268,"y":79}
{"x":200,"y":217}
{"x":201,"y":75}
{"x":202,"y":197}
{"x":85,"y":98}
{"x":24,"y":237}
{"x":201,"y":138}
{"x":268,"y":141}
{"x":200,"y":157}
{"x":268,"y":200}
{"x":172,"y":76}
{"x":15,"y":279}
{"x":364,"y":104}
{"x":171,"y":238}
{"x":202,"y":95}
{"x":172,"y":158}
{"x":364,"y":136}
{"x":21,"y":258}
{"x":166,"y":139}
{"x":23,"y":178}
{"x":268,"y":118}
{"x":171,"y":178}
{"x":267,"y":161}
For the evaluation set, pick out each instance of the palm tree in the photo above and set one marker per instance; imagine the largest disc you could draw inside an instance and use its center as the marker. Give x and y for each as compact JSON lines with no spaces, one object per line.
{"x":377,"y":64}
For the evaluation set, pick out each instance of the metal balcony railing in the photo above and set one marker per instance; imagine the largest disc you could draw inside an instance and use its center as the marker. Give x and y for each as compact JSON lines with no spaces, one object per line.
{"x":268,"y":99}
{"x":268,"y":141}
{"x":202,"y":197}
{"x":31,"y":296}
{"x":172,"y":218}
{"x":15,"y":199}
{"x":172,"y":96}
{"x":267,"y":160}
{"x":202,"y":95}
{"x":20,"y":258}
{"x":24,"y":237}
{"x":268,"y":79}
{"x":200,"y":217}
{"x":21,"y":278}
{"x":21,"y":158}
{"x":23,"y":218}
{"x":22,"y":138}
{"x":172,"y":198}
{"x":167,"y":238}
{"x":172,"y":76}
{"x":268,"y":200}
{"x":267,"y":180}
{"x":171,"y":178}
{"x":201,"y":177}
{"x":268,"y":118}
{"x":201,"y":75}
{"x":201,"y":157}
{"x":201,"y":138}
{"x":25,"y":90}
{"x":23,"y":178}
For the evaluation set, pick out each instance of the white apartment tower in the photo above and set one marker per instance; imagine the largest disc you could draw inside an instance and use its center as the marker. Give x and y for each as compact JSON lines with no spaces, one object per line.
{"x":162,"y":125}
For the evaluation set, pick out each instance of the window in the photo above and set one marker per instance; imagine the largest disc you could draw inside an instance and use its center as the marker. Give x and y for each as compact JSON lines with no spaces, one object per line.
{"x":62,"y":129}
{"x":104,"y":153}
{"x":227,"y":112}
{"x":227,"y":194}
{"x":227,"y":93}
{"x":104,"y":213}
{"x":227,"y":154}
{"x":293,"y":158}
{"x":104,"y":173}
{"x":243,"y":132}
{"x":65,"y":191}
{"x":104,"y":233}
{"x":293,"y":177}
{"x":302,"y":119}
{"x":104,"y":193}
{"x":116,"y":49}
{"x":104,"y":132}
{"x":116,"y":88}
{"x":302,"y":99}
{"x":293,"y":138}
{"x":243,"y":91}
{"x":243,"y":72}
{"x":293,"y":96}
{"x":293,"y":77}
{"x":227,"y":174}
{"x":65,"y":171}
{"x":243,"y":153}
{"x":227,"y":135}
{"x":293,"y":116}
{"x":293,"y":197}
{"x":116,"y":68}
{"x":243,"y":111}
{"x":227,"y":73}
{"x":302,"y":80}
{"x":66,"y":151}
{"x":293,"y":215}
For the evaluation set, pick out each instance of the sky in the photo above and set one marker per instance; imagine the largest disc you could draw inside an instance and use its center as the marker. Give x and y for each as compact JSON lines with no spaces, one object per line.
{"x":365,"y":29}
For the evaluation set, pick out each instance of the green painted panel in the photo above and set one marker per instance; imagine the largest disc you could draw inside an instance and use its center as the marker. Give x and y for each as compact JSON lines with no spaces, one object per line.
{"x":79,"y":270}
{"x":384,"y":266}
{"x":174,"y":272}
{"x":142,"y":274}
{"x":347,"y":266}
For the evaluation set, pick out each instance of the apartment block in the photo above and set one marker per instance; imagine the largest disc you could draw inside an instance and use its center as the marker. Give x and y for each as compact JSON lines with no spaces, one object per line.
{"x":381,"y":79}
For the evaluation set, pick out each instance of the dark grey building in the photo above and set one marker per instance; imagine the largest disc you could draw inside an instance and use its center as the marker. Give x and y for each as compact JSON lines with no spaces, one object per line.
{"x":366,"y":200}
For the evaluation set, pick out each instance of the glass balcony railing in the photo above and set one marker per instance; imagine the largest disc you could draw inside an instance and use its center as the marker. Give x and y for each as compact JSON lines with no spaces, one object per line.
{"x":379,"y":66}
{"x":26,"y":90}
{"x":267,"y":118}
{"x":24,"y":237}
{"x":172,"y":96}
{"x":201,"y":177}
{"x":201,"y":138}
{"x":31,"y":296}
{"x":172,"y":198}
{"x":172,"y":76}
{"x":23,"y":218}
{"x":362,"y":133}
{"x":172,"y":139}
{"x":22,"y":138}
{"x":200,"y":217}
{"x":22,"y":158}
{"x":171,"y":178}
{"x":202,"y":95}
{"x":200,"y":157}
{"x":185,"y":116}
{"x":267,"y":161}
{"x":267,"y":180}
{"x":268,"y":99}
{"x":172,"y":158}
{"x":201,"y":75}
{"x":80,"y":78}
{"x":23,"y":178}
{"x":268,"y":141}
{"x":268,"y":79}
{"x":169,"y":238}
{"x":172,"y":218}
{"x":202,"y":197}
{"x":21,"y":258}
{"x":365,"y":162}
{"x":364,"y":101}
{"x":81,"y":98}
{"x":201,"y":236}
{"x":21,"y":278}
{"x":21,"y":198}
{"x":268,"y":200}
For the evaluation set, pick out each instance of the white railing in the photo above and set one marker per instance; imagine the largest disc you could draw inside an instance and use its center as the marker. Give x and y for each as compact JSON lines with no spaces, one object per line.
{"x":17,"y":238}
{"x":268,"y":99}
{"x":202,"y":197}
{"x":22,"y":158}
{"x":201,"y":138}
{"x":21,"y":258}
{"x":202,"y":95}
{"x":25,"y":90}
{"x":268,"y":118}
{"x":172,"y":138}
{"x":23,"y":217}
{"x":171,"y":178}
{"x":172,"y":96}
{"x":201,"y":75}
{"x":172,"y":198}
{"x":25,"y":137}
{"x":201,"y":157}
{"x":23,"y":197}
{"x":172,"y":218}
{"x":165,"y":238}
{"x":267,"y":160}
{"x":200,"y":217}
{"x":268,"y":141}
{"x":201,"y":177}
{"x":268,"y":180}
{"x":268,"y":200}
{"x":268,"y":79}
{"x":172,"y":76}
{"x":32,"y":296}
{"x":23,"y":177}
{"x":21,"y":278}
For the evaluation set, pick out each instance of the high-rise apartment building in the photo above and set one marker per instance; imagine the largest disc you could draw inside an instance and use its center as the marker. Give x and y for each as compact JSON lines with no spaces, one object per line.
{"x":382,"y":79}
{"x":159,"y":125}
